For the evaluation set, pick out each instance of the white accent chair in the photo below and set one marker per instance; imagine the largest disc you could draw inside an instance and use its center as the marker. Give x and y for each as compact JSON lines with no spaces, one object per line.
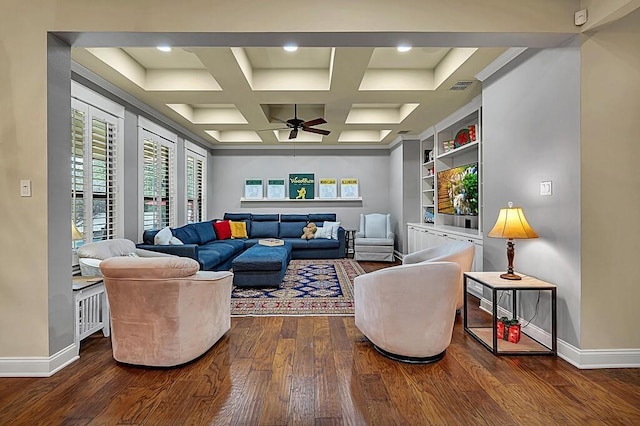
{"x":460,"y":252}
{"x":90,"y":255}
{"x":408,"y":311}
{"x":374,"y":240}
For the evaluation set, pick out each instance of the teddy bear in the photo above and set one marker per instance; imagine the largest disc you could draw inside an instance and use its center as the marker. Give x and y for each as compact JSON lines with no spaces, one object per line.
{"x":309,"y":231}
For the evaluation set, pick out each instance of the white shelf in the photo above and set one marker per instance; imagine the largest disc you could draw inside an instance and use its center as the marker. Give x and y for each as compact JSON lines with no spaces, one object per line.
{"x":428,"y":163}
{"x":288,"y":200}
{"x":428,"y":190}
{"x":428,"y":177}
{"x":460,"y":150}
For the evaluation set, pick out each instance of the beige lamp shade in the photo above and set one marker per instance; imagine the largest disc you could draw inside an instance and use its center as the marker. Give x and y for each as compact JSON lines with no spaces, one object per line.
{"x":512,"y":224}
{"x":75,"y":232}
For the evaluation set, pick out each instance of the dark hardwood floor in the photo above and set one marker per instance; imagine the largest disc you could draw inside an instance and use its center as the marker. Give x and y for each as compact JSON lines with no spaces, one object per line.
{"x":321,"y":371}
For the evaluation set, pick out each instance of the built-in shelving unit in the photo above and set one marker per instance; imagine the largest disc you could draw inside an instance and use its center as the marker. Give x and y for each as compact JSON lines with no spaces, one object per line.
{"x":441,"y":154}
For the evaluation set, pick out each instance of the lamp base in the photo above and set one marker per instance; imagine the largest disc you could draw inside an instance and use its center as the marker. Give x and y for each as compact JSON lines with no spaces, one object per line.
{"x":510,"y":276}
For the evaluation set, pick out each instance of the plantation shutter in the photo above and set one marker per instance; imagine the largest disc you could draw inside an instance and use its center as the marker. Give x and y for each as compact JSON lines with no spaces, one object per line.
{"x":158,"y":181}
{"x":94,"y":192}
{"x":195,"y":181}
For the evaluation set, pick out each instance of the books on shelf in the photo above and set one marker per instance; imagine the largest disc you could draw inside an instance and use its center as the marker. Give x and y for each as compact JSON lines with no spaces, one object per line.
{"x":271,"y":242}
{"x":328,"y":188}
{"x":275,"y":189}
{"x":349,"y":188}
{"x":253,"y":189}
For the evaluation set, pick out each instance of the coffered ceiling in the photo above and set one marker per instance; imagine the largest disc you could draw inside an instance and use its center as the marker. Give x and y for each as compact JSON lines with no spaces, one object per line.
{"x":242,"y":96}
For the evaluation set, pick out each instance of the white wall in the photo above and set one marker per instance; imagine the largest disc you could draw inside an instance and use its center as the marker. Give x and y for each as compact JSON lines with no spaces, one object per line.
{"x":229,"y":169}
{"x":532,"y":134}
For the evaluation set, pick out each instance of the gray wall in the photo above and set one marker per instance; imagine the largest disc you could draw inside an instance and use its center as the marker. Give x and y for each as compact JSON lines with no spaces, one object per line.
{"x":532,"y":133}
{"x":404,"y":189}
{"x":229,"y":169}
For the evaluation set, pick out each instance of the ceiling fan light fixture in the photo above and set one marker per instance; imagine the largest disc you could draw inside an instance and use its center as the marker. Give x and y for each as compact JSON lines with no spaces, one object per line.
{"x":164,"y":48}
{"x":290,"y":47}
{"x":403,"y":48}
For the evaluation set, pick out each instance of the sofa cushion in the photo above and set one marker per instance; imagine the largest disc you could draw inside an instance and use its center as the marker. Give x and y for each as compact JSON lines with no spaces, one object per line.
{"x":265,"y":217}
{"x":264,"y":229}
{"x":297,"y":243}
{"x":321,"y":217}
{"x":291,"y":229}
{"x":223,"y":229}
{"x":294,"y":218}
{"x":149,"y":235}
{"x":205,"y":231}
{"x":187,"y":234}
{"x":317,"y":243}
{"x":214,"y":253}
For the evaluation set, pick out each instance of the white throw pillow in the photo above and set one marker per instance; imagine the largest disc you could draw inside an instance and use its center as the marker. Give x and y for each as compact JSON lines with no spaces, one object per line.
{"x":175,"y":242}
{"x":163,"y":237}
{"x":323,"y":232}
{"x":334,"y":228}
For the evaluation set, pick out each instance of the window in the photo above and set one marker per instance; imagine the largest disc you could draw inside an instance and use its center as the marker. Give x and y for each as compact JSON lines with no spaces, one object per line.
{"x":195,"y":169}
{"x":95,"y":198}
{"x":158,"y":178}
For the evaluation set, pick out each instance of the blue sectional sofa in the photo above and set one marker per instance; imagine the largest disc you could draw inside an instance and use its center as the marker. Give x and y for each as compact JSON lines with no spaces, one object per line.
{"x":201,"y":243}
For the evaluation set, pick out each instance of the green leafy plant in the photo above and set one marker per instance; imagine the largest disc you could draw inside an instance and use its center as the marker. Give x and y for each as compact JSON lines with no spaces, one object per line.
{"x":470,"y":185}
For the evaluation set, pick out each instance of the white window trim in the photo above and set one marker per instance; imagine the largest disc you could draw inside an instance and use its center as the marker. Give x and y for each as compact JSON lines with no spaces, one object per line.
{"x":96,"y":105}
{"x":193,"y":150}
{"x":164,"y":137}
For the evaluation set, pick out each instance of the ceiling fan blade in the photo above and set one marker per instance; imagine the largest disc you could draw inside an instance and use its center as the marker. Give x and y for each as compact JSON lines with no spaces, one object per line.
{"x":293,"y":134}
{"x":314,"y":122}
{"x":318,"y":131}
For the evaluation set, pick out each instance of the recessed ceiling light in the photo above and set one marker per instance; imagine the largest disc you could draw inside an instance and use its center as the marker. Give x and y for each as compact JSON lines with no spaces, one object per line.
{"x":164,"y":48}
{"x":404,"y":48}
{"x":290,"y":47}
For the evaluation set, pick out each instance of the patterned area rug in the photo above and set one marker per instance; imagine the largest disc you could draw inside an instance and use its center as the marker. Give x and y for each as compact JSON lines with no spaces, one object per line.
{"x":310,"y":287}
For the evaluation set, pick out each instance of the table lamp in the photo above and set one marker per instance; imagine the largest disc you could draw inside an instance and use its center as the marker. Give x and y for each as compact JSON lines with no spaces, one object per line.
{"x":511,"y":224}
{"x":76,"y":235}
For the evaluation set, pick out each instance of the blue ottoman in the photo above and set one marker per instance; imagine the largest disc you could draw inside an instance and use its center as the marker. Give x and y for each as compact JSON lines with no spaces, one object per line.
{"x":261,"y":266}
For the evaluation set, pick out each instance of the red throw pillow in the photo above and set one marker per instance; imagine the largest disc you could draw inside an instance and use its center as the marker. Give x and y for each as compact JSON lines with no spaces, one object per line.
{"x":223,"y":229}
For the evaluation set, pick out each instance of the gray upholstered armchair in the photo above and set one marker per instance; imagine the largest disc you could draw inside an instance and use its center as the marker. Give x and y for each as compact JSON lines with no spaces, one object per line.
{"x":375,"y":239}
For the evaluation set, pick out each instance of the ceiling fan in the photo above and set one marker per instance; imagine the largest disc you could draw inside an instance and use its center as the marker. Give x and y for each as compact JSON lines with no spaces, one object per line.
{"x":296,"y":124}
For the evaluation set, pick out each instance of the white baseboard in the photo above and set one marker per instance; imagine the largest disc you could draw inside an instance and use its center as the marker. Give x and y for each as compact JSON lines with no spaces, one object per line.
{"x":38,"y":366}
{"x":580,"y":358}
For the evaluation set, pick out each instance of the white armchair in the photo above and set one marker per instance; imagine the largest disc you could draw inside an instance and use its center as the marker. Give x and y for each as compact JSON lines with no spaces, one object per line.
{"x":460,"y":252}
{"x":90,"y":255}
{"x":408,"y":311}
{"x":375,"y":239}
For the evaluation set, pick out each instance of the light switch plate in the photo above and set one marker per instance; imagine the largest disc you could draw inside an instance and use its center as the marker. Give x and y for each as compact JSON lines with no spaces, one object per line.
{"x":25,"y":188}
{"x":545,"y":187}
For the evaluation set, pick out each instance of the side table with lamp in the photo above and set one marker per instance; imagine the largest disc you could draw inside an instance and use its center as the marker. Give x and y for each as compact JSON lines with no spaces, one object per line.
{"x":511,"y":224}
